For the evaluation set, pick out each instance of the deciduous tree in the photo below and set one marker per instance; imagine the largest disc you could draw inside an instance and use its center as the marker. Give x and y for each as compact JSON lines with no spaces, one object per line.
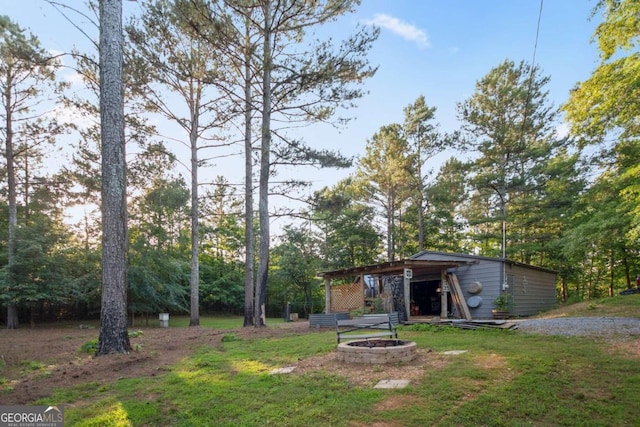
{"x":604,"y":110}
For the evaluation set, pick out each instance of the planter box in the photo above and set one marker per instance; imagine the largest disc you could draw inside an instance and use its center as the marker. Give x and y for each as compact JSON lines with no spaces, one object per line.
{"x":500,"y":314}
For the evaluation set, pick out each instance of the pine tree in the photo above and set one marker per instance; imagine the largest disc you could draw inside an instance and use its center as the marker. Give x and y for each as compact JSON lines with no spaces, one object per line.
{"x":27,"y":74}
{"x":113,"y":336}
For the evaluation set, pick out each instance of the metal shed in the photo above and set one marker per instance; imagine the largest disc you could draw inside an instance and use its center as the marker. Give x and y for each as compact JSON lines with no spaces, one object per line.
{"x":418,"y":287}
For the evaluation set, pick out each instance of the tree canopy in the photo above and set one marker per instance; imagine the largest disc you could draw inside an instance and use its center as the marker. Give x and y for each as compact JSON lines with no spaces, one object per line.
{"x":504,"y":183}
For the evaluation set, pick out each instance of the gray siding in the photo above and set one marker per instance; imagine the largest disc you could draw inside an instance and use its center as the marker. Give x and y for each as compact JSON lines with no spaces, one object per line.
{"x":489,"y":274}
{"x":532,"y":289}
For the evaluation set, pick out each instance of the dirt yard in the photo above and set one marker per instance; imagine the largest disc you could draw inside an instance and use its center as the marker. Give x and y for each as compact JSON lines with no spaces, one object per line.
{"x":35,"y":361}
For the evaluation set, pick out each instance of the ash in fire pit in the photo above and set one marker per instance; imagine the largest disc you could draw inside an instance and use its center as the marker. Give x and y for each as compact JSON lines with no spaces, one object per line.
{"x":377,"y":351}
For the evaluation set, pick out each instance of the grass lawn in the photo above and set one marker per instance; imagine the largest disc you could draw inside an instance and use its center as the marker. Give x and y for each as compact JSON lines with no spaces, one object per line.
{"x":505,"y":378}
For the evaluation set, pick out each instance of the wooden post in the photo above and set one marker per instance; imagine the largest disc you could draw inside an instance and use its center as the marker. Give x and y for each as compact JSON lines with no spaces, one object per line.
{"x":327,"y":295}
{"x":444,"y":293}
{"x":363,"y":291}
{"x":408,"y":274}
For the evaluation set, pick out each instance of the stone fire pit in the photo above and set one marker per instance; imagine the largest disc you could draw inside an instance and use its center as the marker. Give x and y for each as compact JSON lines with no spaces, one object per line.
{"x":377,"y":351}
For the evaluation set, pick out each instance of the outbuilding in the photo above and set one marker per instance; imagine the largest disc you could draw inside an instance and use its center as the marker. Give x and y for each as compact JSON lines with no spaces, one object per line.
{"x":439,"y":284}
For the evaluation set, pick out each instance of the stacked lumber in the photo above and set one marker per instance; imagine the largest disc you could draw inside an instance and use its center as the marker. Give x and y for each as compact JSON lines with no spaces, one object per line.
{"x":478,"y":324}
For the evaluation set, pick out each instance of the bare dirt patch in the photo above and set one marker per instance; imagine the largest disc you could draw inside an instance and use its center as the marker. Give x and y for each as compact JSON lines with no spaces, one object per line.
{"x":370,"y":375}
{"x":629,"y":348}
{"x":36,"y":361}
{"x":33,"y":362}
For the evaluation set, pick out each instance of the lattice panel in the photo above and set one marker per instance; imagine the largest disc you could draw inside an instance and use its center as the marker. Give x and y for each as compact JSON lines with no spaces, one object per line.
{"x":346,"y":297}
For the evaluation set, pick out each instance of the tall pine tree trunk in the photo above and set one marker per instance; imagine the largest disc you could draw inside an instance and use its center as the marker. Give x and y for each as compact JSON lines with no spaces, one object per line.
{"x":113,"y":336}
{"x":265,"y":163}
{"x":12,"y":311}
{"x":249,"y":287}
{"x":194,"y":280}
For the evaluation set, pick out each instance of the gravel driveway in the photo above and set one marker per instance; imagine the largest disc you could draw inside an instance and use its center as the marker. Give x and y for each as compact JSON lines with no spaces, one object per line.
{"x":573,"y":326}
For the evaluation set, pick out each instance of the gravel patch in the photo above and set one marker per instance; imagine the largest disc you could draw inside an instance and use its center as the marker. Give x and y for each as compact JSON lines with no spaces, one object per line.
{"x":589,"y":326}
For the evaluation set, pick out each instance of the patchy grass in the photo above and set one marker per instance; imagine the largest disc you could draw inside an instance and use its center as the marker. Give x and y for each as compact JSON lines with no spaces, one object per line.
{"x":505,"y":378}
{"x":617,"y":306}
{"x":217,"y":322}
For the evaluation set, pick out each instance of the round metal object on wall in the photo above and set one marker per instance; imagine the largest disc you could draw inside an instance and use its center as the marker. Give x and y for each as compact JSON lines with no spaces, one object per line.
{"x":474,"y":301}
{"x":474,"y":288}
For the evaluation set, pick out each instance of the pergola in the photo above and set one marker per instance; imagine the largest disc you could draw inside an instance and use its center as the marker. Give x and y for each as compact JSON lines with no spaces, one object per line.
{"x":407,"y":268}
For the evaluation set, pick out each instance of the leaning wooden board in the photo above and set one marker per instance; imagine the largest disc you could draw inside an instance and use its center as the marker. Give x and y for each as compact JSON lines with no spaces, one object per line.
{"x":458,"y":298}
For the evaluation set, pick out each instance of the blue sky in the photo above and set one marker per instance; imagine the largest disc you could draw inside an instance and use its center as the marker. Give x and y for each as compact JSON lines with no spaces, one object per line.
{"x":441,"y":48}
{"x":435,"y":48}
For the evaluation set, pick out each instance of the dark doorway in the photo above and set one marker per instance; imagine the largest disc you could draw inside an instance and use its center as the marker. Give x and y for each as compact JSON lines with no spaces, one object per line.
{"x":425,"y":298}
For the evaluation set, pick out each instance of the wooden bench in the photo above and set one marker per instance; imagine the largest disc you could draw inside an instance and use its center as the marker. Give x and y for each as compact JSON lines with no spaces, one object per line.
{"x":367,"y":326}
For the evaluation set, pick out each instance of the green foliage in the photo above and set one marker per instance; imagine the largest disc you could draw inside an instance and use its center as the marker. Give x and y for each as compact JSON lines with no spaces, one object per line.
{"x":593,"y":108}
{"x":40,"y":270}
{"x":502,"y":302}
{"x":158,"y":284}
{"x":384,"y":178}
{"x":444,"y":227}
{"x":295,"y":266}
{"x":509,"y":121}
{"x":221,"y":284}
{"x":598,"y":117}
{"x":421,"y":131}
{"x":228,"y":337}
{"x":222,"y":229}
{"x":90,"y":347}
{"x":346,"y":223}
{"x":588,"y":234}
{"x":503,"y":378}
{"x":31,"y":365}
{"x":134,"y":334}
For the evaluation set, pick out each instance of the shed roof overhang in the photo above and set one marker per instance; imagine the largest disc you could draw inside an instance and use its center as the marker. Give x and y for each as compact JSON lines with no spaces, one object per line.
{"x":393,"y":268}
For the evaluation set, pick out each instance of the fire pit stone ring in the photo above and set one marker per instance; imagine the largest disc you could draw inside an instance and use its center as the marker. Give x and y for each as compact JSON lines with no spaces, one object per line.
{"x":377,"y":351}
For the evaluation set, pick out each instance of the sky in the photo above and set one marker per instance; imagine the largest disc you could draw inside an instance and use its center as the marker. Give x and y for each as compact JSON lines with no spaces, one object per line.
{"x":435,"y":48}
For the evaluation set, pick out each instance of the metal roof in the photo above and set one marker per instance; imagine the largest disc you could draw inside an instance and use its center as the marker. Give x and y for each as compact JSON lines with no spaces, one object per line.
{"x":392,"y":268}
{"x":420,"y":263}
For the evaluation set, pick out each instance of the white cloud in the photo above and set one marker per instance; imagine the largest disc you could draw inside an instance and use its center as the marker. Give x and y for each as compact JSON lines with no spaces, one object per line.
{"x":405,"y":30}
